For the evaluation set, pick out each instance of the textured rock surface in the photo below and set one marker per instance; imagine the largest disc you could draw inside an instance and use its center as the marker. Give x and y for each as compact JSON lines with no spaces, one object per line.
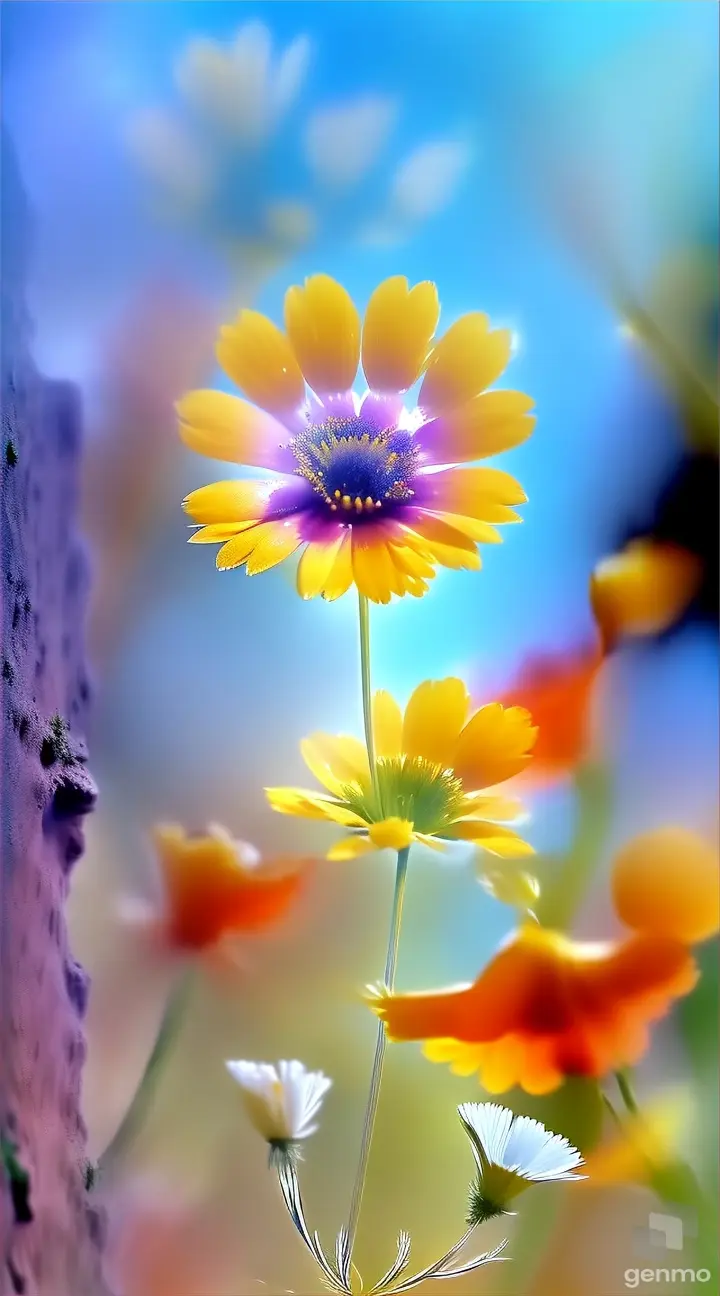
{"x":45,"y":789}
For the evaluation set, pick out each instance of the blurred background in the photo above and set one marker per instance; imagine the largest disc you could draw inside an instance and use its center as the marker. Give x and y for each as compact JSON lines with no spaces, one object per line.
{"x":557,"y":167}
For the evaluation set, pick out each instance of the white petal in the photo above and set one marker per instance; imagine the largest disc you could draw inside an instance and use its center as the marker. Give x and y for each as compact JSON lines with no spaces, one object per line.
{"x":262,"y":1096}
{"x":490,"y":1124}
{"x":169,"y":154}
{"x":426,"y":181}
{"x":342,"y":142}
{"x":290,"y":223}
{"x":528,"y":1139}
{"x":290,"y":74}
{"x":281,"y":1101}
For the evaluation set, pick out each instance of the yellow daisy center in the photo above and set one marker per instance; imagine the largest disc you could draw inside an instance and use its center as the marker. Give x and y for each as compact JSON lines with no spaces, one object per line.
{"x":411,"y":788}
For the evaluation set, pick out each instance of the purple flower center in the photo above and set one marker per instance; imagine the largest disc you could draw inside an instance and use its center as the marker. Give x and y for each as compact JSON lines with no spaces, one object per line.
{"x":355,"y":468}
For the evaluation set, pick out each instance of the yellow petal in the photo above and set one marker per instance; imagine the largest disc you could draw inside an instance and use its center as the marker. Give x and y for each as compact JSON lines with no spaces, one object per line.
{"x":237,"y":551}
{"x":433,"y":719}
{"x":492,"y":837}
{"x":337,"y":757}
{"x":668,"y":882}
{"x":279,"y":541}
{"x":456,"y":559}
{"x":341,"y":573}
{"x":480,"y":532}
{"x":416,"y":588}
{"x":487,"y":425}
{"x":482,"y":493}
{"x":428,"y":529}
{"x":647,"y":1143}
{"x":496,"y":808}
{"x":387,"y":725}
{"x":643,"y":590}
{"x":223,"y":427}
{"x":258,"y":357}
{"x":433,"y":842}
{"x":465,"y":361}
{"x":350,"y":848}
{"x":231,"y":501}
{"x":373,"y":569}
{"x":445,"y":544}
{"x":399,"y":325}
{"x":412,"y":570}
{"x":218,"y":532}
{"x":463,"y":1059}
{"x":311,"y":805}
{"x":494,"y":745}
{"x":412,"y":563}
{"x":324,"y":329}
{"x":509,"y":884}
{"x":391,"y":834}
{"x":316,"y":564}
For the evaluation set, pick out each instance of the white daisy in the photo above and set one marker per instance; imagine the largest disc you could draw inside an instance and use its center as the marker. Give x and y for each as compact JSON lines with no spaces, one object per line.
{"x":281,"y":1101}
{"x":511,"y":1153}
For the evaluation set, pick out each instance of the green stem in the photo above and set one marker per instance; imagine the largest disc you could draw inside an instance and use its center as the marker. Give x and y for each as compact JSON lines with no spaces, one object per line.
{"x":364,"y":610}
{"x":377,"y":1069}
{"x":609,"y":1106}
{"x":627,"y":1093}
{"x":137,"y":1111}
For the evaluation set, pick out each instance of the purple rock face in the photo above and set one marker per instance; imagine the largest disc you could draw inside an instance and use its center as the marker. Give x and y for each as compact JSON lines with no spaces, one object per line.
{"x":50,"y":1236}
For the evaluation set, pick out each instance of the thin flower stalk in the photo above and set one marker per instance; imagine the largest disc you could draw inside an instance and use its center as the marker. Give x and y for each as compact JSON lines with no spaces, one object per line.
{"x":134,"y":1117}
{"x":443,"y":1268}
{"x":290,"y":1189}
{"x":380,"y":1047}
{"x":337,"y":1276}
{"x":364,"y":622}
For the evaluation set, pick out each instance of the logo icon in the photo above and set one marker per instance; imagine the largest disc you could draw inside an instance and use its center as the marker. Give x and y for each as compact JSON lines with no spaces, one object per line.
{"x":666,"y":1232}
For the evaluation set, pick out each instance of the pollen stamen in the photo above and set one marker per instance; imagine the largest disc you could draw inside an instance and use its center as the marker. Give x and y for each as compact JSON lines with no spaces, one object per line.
{"x":353,"y":467}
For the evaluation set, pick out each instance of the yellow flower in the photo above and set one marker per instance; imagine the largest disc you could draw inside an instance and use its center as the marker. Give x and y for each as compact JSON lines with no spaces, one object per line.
{"x":646,"y":1145}
{"x":373,"y":494}
{"x":431,"y":766}
{"x":668,"y":882}
{"x":643,"y":590}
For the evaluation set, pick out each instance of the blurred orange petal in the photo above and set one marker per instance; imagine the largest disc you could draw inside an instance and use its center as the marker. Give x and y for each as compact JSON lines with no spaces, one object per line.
{"x":668,"y":882}
{"x":215,"y":887}
{"x":557,"y":692}
{"x":642,"y":590}
{"x":547,"y":1007}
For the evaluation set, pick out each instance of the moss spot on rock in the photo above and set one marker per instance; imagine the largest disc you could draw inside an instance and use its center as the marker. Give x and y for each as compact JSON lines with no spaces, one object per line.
{"x":55,"y":745}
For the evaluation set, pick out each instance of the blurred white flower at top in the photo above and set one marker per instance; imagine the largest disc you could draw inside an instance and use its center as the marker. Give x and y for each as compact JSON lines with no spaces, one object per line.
{"x":204,"y":156}
{"x":427,"y":180}
{"x":239,"y":87}
{"x":290,"y":222}
{"x":165,"y":148}
{"x":343,"y":141}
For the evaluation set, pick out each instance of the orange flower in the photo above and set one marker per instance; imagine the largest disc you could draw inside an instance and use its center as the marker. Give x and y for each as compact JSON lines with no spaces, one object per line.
{"x":557,"y":692}
{"x":215,"y":887}
{"x":668,"y":882}
{"x":546,"y":1007}
{"x":643,"y":590}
